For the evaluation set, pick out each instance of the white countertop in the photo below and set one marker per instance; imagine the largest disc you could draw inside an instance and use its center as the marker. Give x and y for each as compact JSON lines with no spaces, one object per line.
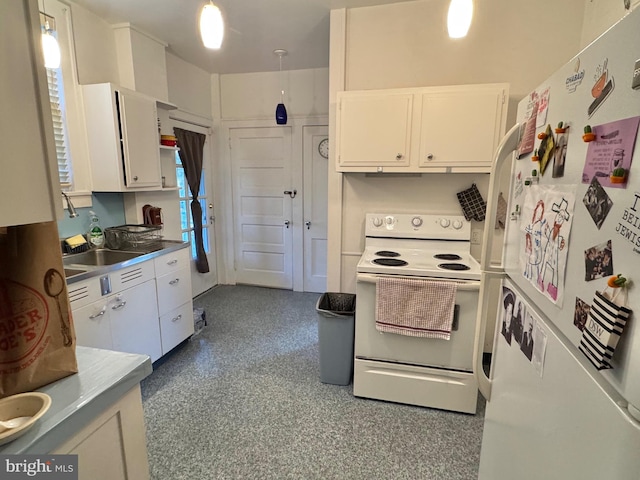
{"x":103,"y":377}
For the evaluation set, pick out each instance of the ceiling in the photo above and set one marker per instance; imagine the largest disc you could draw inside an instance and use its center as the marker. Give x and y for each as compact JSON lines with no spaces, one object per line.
{"x":253,"y":30}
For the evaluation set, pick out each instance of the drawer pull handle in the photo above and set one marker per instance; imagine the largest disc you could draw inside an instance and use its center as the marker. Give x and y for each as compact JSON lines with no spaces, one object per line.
{"x":173,"y":282}
{"x":175,"y":319}
{"x":119,"y":306}
{"x":99,"y":314}
{"x":172,"y":262}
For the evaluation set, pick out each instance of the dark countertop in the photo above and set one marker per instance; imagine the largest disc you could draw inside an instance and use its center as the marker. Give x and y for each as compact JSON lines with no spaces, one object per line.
{"x":103,"y":377}
{"x":84,"y":272}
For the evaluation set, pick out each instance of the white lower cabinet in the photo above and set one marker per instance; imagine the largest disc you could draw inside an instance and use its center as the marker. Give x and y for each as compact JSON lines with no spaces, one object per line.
{"x":113,"y":445}
{"x":175,"y":306}
{"x":134,"y":321}
{"x":126,"y":319}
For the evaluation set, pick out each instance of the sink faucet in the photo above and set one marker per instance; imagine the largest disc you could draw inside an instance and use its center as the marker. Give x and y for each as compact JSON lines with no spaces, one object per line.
{"x":70,"y":207}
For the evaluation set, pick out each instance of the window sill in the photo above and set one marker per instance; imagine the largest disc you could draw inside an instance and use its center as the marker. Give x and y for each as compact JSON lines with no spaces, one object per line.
{"x":81,"y":199}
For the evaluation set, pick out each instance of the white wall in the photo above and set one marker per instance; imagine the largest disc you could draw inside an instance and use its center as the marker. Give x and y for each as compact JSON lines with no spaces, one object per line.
{"x":255,"y":95}
{"x":406,"y":45}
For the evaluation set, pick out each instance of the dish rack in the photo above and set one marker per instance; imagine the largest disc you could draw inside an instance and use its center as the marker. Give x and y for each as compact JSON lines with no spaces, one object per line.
{"x":133,"y":236}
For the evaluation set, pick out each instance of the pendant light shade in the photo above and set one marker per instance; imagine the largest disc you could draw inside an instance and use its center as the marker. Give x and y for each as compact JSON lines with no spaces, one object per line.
{"x":459,"y":18}
{"x":281,"y":110}
{"x":211,"y":26}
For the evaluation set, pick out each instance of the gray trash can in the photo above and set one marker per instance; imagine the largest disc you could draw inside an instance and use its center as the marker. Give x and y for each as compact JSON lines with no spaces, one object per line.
{"x":336,"y":312}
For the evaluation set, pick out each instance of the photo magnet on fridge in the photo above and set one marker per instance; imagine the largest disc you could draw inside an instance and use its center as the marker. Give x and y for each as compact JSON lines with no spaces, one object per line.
{"x":635,"y":82}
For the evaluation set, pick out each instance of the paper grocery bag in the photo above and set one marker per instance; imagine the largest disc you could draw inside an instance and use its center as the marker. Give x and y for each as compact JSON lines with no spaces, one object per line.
{"x":37,"y":339}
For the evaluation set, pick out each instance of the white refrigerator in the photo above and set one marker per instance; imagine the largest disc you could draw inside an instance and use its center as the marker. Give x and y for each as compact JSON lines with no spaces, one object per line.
{"x":551,"y":411}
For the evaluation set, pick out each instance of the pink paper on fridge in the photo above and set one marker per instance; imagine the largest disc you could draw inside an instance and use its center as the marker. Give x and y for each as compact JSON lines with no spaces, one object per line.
{"x":611,"y":154}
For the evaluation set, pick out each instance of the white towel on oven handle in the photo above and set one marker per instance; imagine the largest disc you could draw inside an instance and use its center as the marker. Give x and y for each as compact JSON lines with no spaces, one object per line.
{"x":415,"y":307}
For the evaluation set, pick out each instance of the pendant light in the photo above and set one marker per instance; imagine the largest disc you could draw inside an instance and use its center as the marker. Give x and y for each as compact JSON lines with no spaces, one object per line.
{"x":281,"y":111}
{"x":211,"y":26}
{"x":459,"y":18}
{"x":50,"y":47}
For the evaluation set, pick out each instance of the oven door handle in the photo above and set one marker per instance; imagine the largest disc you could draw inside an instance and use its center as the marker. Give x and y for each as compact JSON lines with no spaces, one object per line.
{"x":463,"y":285}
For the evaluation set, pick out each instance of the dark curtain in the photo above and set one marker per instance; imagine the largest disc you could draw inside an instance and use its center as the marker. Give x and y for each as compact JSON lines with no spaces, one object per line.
{"x":191,"y":146}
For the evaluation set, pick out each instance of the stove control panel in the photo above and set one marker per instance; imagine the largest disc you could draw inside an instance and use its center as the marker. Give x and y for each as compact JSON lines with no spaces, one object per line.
{"x":427,"y":226}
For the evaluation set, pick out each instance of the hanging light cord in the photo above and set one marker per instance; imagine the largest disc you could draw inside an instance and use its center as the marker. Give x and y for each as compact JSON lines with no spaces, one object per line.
{"x":281,"y":82}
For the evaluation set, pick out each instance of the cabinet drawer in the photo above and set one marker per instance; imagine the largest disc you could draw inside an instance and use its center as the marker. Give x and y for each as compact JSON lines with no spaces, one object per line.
{"x":176,"y":326}
{"x":131,"y":276}
{"x":172,"y":261}
{"x":173,"y":289}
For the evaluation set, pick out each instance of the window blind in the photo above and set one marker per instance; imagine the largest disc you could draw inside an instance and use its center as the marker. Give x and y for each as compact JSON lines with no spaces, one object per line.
{"x":56,"y":97}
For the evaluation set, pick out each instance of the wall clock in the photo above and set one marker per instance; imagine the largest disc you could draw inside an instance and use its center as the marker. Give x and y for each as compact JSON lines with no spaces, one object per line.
{"x":323,"y":148}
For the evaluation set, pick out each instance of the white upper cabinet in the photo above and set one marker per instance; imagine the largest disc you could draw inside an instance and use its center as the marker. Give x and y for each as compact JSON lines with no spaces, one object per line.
{"x":431,"y":129}
{"x":122,"y":128}
{"x":29,"y":184}
{"x":374,"y":130}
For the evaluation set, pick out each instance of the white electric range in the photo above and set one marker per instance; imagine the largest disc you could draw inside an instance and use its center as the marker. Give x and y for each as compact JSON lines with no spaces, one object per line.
{"x":418,"y":371}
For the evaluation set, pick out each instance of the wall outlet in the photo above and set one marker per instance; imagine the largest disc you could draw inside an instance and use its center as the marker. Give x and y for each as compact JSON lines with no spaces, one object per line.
{"x":476,"y":237}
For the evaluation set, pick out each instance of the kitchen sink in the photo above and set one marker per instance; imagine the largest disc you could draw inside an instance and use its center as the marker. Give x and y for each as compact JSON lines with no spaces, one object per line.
{"x":100,"y":257}
{"x":70,"y":272}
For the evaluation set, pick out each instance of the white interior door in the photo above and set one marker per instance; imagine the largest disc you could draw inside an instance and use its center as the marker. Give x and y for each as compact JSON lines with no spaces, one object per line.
{"x":263,"y":225}
{"x":200,"y":282}
{"x":315,"y":169}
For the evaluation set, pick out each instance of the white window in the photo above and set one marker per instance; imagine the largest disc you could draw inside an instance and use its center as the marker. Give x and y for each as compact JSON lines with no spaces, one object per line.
{"x":186,"y":220}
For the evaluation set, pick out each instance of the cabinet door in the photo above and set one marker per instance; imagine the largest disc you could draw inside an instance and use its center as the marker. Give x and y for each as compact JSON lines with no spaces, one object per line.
{"x":134,"y":321}
{"x":92,"y":326}
{"x":176,"y":326}
{"x":141,"y":149}
{"x":374,"y":130}
{"x":460,"y":129}
{"x":29,"y":181}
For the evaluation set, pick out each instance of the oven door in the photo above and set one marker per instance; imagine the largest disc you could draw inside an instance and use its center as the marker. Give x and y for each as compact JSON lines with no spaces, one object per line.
{"x":454,"y":354}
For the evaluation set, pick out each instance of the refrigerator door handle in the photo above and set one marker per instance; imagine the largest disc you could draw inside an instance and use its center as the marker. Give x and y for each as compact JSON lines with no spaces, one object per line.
{"x":486,"y":290}
{"x":507,"y":146}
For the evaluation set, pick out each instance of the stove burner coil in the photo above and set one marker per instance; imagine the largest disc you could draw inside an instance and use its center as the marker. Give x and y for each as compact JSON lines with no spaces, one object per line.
{"x":454,"y":266}
{"x":447,"y":256}
{"x":390,"y":262}
{"x":387,"y":253}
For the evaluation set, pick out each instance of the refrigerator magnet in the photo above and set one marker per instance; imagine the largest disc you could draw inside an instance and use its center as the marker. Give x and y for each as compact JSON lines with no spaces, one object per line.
{"x":602,"y":87}
{"x":597,"y":201}
{"x":598,"y":261}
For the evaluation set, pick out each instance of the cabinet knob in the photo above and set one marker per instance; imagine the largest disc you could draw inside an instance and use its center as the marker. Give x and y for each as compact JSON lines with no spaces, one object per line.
{"x":172,"y":262}
{"x":99,"y":314}
{"x":175,"y":319}
{"x":174,"y":282}
{"x":135,"y":178}
{"x":399,"y":156}
{"x":430,"y":156}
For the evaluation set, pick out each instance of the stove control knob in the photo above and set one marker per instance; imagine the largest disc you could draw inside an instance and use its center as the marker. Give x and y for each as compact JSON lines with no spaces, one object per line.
{"x":445,"y":222}
{"x":457,"y":224}
{"x":377,"y":222}
{"x":416,"y":221}
{"x":389,"y":220}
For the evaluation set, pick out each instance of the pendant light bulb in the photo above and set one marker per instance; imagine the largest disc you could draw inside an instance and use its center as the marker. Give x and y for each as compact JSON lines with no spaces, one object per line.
{"x":211,"y":26}
{"x":50,"y":48}
{"x":459,"y":18}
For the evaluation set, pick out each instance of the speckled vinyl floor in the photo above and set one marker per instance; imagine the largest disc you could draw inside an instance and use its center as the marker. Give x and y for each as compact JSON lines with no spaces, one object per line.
{"x":243,"y":400}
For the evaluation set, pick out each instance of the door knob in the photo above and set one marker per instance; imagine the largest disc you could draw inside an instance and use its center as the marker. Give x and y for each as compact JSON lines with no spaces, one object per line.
{"x":287,"y":223}
{"x":291,"y":193}
{"x":308,"y":224}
